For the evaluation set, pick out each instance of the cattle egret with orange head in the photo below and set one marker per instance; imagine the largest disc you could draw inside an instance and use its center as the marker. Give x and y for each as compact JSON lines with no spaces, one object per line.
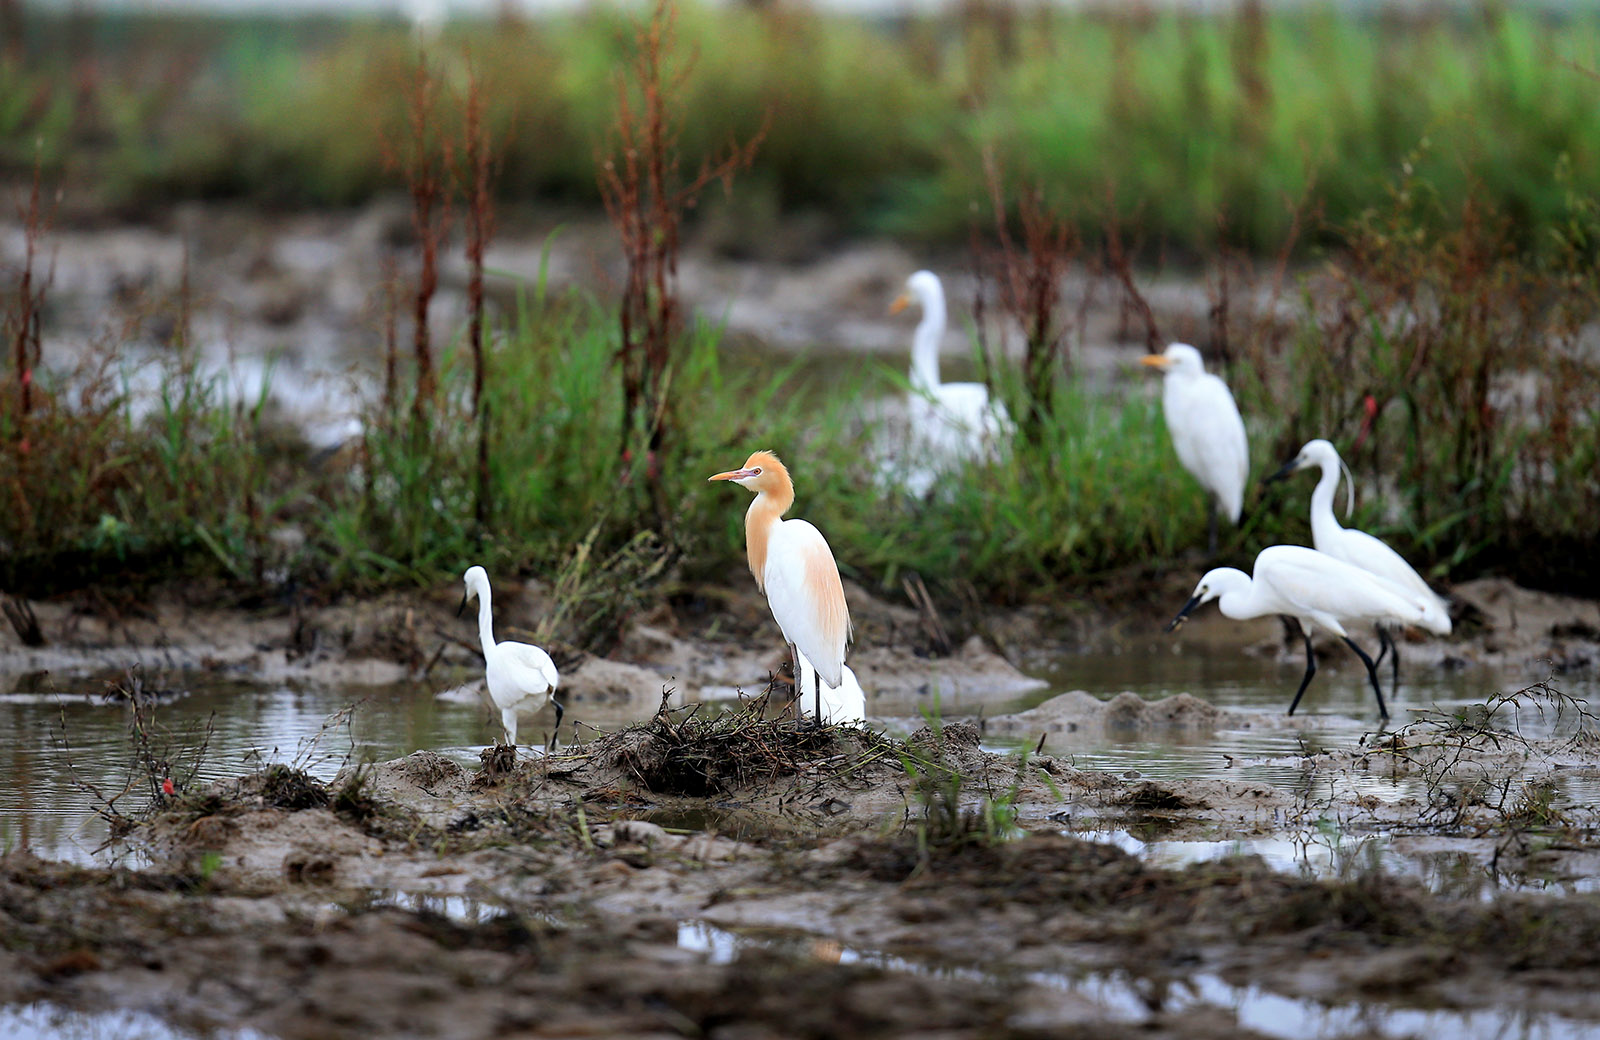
{"x":793,"y":565}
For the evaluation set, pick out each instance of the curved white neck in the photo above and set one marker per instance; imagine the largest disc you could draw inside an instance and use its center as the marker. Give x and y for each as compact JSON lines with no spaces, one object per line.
{"x":1244,"y":600}
{"x":485,"y":620}
{"x":925,"y":345}
{"x":1324,"y":525}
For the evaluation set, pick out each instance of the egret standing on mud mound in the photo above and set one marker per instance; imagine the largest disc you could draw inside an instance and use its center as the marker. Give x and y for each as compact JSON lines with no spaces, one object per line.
{"x":1206,"y":431}
{"x":950,"y":422}
{"x":1360,"y":548}
{"x":1315,"y":589}
{"x":793,"y":565}
{"x":516,"y":673}
{"x":845,"y":704}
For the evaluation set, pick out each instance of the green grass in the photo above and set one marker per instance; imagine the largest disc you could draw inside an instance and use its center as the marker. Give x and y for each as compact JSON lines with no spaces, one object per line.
{"x":1481,"y":454}
{"x":875,"y":125}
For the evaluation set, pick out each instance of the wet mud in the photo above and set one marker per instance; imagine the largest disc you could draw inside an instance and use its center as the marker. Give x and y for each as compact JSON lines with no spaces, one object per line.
{"x":721,"y":870}
{"x":866,"y":886}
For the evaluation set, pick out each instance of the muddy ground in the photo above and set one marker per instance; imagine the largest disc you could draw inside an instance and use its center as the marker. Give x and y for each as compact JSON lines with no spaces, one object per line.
{"x":734,"y":875}
{"x":866,"y":887}
{"x":738,"y":876}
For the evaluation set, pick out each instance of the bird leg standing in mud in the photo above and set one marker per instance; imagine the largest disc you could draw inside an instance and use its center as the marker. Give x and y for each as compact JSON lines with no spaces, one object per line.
{"x":1314,"y":589}
{"x":793,"y":565}
{"x":516,"y":673}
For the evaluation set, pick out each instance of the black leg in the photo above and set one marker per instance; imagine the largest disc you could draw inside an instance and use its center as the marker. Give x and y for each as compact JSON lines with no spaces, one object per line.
{"x":1394,"y":661}
{"x":555,"y":734}
{"x":1372,"y":673}
{"x":818,"y":703}
{"x":1311,"y":669}
{"x":794,"y":663}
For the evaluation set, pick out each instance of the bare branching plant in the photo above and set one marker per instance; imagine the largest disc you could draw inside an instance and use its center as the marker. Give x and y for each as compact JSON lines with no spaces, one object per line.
{"x":646,"y":196}
{"x":1025,"y":271}
{"x":1476,"y":756}
{"x":161,"y":763}
{"x":420,"y":153}
{"x":476,"y":173}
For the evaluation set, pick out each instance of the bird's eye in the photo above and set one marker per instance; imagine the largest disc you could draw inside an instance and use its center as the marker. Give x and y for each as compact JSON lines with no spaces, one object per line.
{"x":758,"y":471}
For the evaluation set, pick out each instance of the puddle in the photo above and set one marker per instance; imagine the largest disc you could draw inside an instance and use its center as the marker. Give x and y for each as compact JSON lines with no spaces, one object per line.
{"x":48,"y":721}
{"x":45,"y":1021}
{"x":1128,"y":999}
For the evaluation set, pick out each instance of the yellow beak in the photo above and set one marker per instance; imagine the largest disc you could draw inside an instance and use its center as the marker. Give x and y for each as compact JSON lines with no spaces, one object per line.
{"x":900,"y":303}
{"x":733,"y":474}
{"x":1155,"y":361}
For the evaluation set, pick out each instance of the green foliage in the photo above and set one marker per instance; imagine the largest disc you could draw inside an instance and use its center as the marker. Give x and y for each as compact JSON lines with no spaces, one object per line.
{"x":1205,"y":125}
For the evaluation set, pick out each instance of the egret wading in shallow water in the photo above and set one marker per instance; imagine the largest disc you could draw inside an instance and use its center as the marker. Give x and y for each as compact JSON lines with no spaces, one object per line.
{"x":793,"y":565}
{"x":950,"y":422}
{"x":518,"y":674}
{"x":1206,"y":429}
{"x":1316,"y":590}
{"x":1360,"y":548}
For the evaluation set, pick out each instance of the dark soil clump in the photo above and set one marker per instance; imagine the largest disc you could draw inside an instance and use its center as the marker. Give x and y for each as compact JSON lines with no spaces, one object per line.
{"x":700,"y":757}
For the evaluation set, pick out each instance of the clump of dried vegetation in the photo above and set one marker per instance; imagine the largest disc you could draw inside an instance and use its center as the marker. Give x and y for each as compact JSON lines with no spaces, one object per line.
{"x":685,"y":751}
{"x":1475,"y":763}
{"x":159,"y":765}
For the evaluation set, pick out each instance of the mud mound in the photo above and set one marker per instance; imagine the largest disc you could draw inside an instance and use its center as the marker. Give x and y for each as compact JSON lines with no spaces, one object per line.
{"x":699,"y":757}
{"x":282,"y":787}
{"x":1077,"y":710}
{"x":1154,"y":797}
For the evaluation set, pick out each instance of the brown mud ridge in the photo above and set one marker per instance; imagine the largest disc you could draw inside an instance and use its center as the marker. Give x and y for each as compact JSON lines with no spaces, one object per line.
{"x":712,"y":654}
{"x":551,"y":896}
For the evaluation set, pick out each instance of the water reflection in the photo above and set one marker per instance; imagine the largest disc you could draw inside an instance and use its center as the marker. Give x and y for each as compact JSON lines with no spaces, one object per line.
{"x":1123,"y":997}
{"x":60,"y":742}
{"x":45,"y":1021}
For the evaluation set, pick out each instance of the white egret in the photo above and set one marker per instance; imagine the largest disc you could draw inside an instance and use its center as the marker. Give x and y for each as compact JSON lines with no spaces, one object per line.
{"x":950,"y":422}
{"x":517,"y":673}
{"x":793,"y":565}
{"x":1315,"y":589}
{"x":1206,"y":431}
{"x":845,"y":703}
{"x":1360,"y":548}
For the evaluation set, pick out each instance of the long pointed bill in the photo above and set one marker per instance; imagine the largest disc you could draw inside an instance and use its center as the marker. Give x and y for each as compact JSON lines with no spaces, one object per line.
{"x":900,"y":303}
{"x":733,"y":474}
{"x":1183,"y":615}
{"x":1154,"y":361}
{"x":463,"y":605}
{"x":1283,"y":471}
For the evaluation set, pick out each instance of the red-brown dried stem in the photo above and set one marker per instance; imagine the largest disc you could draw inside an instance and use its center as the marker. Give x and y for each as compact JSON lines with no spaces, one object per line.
{"x":1121,"y":265}
{"x":22,"y":317}
{"x":645,"y":199}
{"x":477,"y":175}
{"x":1027,"y":280}
{"x":421,"y":157}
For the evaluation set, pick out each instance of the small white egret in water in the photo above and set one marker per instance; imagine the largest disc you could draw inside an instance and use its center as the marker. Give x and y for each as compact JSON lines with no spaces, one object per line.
{"x":950,"y":422}
{"x":1206,"y":431}
{"x":517,"y":673}
{"x":793,"y":565}
{"x":846,"y":703}
{"x":1316,"y":590}
{"x":1360,"y":548}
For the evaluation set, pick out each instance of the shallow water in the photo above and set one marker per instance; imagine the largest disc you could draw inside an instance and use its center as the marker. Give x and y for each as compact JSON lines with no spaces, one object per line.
{"x":57,"y":734}
{"x":44,"y":1021}
{"x":1121,"y":997}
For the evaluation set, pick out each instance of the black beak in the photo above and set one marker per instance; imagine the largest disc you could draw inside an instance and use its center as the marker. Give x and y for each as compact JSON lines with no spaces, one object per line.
{"x":1283,"y":471}
{"x":1183,"y":615}
{"x":463,"y":604}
